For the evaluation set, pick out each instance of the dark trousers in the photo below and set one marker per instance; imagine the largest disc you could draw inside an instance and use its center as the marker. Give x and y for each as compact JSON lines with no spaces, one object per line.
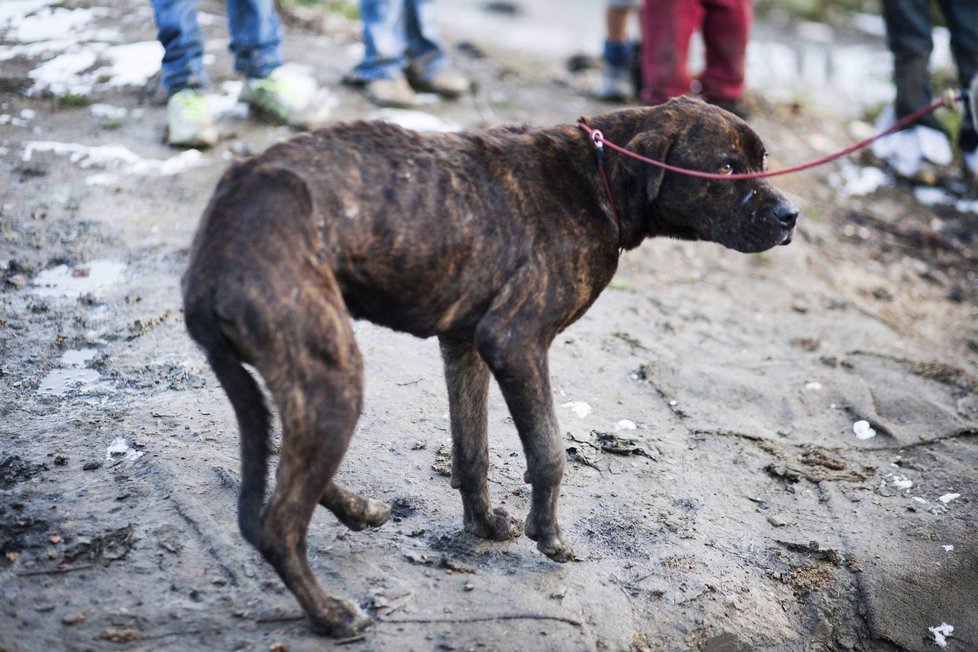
{"x":908,"y":35}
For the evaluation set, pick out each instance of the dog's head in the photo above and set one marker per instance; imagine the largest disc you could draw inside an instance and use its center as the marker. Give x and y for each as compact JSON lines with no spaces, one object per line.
{"x":747,"y":215}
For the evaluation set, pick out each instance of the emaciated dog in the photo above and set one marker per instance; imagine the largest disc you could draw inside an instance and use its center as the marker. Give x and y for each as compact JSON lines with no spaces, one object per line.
{"x":492,"y":241}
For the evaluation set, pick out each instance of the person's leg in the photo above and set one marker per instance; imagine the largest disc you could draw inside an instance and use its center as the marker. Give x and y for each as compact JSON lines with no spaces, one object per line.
{"x":908,"y":36}
{"x":618,"y":52}
{"x":189,"y":122}
{"x":429,"y":68}
{"x":726,"y":30}
{"x":183,"y":44}
{"x":962,"y":21}
{"x":256,"y":36}
{"x":667,"y":26}
{"x":424,"y":45}
{"x":384,"y":40}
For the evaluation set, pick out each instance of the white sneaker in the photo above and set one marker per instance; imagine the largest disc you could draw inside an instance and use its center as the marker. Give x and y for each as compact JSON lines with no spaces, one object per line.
{"x":285,"y":96}
{"x":616,"y":84}
{"x":189,"y":122}
{"x":909,"y":152}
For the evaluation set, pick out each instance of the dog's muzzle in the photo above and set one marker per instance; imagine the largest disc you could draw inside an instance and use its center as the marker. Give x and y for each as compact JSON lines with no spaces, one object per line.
{"x":787,"y":216}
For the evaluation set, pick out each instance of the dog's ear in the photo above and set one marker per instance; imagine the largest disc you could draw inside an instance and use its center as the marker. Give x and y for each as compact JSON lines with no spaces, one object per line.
{"x":647,"y":176}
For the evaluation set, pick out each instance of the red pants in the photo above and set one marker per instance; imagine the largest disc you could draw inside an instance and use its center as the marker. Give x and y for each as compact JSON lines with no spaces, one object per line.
{"x":668,"y":25}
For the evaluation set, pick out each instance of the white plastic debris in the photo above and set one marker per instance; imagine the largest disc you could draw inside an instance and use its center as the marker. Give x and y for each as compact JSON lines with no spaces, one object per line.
{"x":946,"y":498}
{"x":902,"y":482}
{"x":941,"y":633}
{"x":580,"y":408}
{"x":863,"y":430}
{"x":625,"y":424}
{"x":120,"y":449}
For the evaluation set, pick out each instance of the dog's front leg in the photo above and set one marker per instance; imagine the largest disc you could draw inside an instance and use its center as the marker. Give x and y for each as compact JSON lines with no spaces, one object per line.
{"x":520,"y":367}
{"x":467,"y":377}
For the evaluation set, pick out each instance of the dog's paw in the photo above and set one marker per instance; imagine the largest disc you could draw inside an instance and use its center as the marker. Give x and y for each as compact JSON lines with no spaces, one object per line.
{"x":342,"y":619}
{"x":498,"y":526}
{"x":556,"y":548}
{"x":550,"y":542}
{"x":374,"y":515}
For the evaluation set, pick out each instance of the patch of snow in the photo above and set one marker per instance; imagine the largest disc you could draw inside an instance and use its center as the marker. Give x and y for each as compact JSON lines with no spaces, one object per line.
{"x":117,"y":158}
{"x":108,"y":111}
{"x":928,"y":196}
{"x":948,"y":548}
{"x":854,"y":180}
{"x":625,"y":424}
{"x":814,"y":386}
{"x":966,"y":206}
{"x":131,"y":64}
{"x":946,"y":498}
{"x":415,"y":120}
{"x":63,"y":74}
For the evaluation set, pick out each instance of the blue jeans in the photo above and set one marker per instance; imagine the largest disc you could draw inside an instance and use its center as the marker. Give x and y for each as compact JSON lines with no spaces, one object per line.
{"x":398,"y":34}
{"x":256,"y":34}
{"x":908,"y":35}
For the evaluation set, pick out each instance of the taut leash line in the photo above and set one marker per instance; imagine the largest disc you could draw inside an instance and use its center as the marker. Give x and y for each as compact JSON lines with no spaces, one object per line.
{"x":599,"y":141}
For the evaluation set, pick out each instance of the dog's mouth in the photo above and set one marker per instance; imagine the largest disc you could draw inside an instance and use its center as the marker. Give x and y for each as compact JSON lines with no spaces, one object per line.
{"x":787,"y":239}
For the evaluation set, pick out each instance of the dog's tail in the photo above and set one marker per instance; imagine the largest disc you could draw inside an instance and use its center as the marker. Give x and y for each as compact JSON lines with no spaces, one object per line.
{"x":254,"y":419}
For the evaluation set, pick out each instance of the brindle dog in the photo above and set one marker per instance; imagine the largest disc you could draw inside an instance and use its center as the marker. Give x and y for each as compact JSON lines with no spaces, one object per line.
{"x":493,"y":241}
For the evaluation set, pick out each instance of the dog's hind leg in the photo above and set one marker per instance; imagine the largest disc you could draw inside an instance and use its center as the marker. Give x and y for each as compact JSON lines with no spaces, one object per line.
{"x":467,"y":377}
{"x":314,"y":371}
{"x":353,"y":511}
{"x":254,"y":423}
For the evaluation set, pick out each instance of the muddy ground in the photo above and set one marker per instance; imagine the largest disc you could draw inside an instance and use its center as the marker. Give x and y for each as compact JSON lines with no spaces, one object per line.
{"x":716,"y":492}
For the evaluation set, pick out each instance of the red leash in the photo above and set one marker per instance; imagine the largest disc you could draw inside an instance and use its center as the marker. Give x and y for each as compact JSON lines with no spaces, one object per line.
{"x":598,"y":140}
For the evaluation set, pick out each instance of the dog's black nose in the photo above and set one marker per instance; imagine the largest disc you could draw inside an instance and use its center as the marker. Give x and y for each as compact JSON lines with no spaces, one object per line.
{"x":787,"y":215}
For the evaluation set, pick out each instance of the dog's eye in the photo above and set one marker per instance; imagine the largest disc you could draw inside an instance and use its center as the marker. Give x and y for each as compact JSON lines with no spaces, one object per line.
{"x":726,"y":168}
{"x":764,"y":162}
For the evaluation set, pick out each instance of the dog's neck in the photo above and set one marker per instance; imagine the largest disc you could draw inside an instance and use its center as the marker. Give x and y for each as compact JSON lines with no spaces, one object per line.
{"x":629,"y":211}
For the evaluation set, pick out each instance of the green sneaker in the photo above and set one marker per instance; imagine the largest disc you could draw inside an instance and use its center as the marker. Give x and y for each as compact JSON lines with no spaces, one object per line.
{"x":189,"y":122}
{"x":283,"y":97}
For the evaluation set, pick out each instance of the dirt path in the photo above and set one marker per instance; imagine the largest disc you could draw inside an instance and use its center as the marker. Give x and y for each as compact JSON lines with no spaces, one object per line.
{"x":717,"y":493}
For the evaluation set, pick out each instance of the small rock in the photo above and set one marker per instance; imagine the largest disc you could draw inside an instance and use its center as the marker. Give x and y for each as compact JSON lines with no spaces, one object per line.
{"x":469,"y":586}
{"x":120,"y":635}
{"x":73,"y":619}
{"x":91,"y":466}
{"x":60,"y":460}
